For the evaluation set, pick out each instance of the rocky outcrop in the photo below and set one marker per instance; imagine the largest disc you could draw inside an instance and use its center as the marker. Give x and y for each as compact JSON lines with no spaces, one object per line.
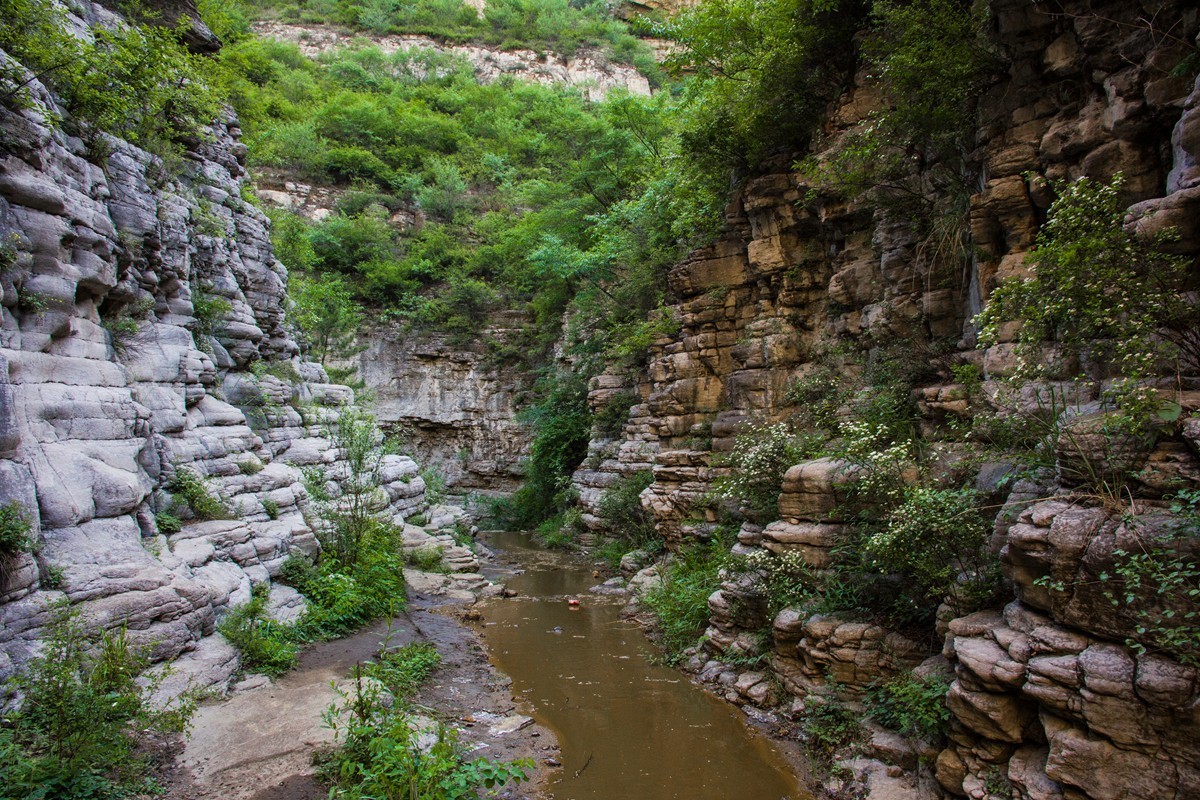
{"x":1048,"y":699}
{"x":143,"y":343}
{"x":588,"y":70}
{"x":453,"y":404}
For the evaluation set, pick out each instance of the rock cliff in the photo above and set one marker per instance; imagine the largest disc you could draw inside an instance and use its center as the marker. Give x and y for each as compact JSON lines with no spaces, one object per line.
{"x":1048,"y":700}
{"x":452,"y":404}
{"x":143,"y":345}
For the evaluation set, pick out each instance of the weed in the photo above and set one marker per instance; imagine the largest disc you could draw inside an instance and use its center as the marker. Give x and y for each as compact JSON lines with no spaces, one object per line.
{"x":403,"y":670}
{"x":912,"y":705}
{"x":379,"y":751}
{"x":270,"y":508}
{"x":167,"y":523}
{"x":680,"y":605}
{"x":266,"y":646}
{"x":14,"y":529}
{"x":425,"y":559}
{"x":193,"y":491}
{"x":828,"y":727}
{"x":250,"y":466}
{"x":85,"y":708}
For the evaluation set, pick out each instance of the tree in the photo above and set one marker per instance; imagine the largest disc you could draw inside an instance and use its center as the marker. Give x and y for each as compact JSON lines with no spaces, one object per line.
{"x":327,"y":315}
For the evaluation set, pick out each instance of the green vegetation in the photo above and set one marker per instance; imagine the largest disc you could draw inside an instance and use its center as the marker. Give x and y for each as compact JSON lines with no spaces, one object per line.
{"x":84,"y":718}
{"x":266,"y":645}
{"x":138,"y":81}
{"x":680,"y":604}
{"x":14,"y":529}
{"x":403,"y":670}
{"x":761,"y":455}
{"x":350,"y":512}
{"x":621,"y":507}
{"x":828,"y":726}
{"x":378,"y":751}
{"x":327,"y":315}
{"x":359,"y":577}
{"x":557,"y":26}
{"x":562,"y":424}
{"x":191,"y":495}
{"x":167,"y":523}
{"x":763,"y":72}
{"x":913,"y":705}
{"x":1109,"y":300}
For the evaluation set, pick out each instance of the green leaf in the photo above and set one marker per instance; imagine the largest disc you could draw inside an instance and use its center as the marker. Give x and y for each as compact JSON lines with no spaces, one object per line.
{"x":1169,"y":411}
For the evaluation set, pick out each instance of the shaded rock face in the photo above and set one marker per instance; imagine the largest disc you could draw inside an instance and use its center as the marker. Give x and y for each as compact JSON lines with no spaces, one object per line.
{"x":113,"y":276}
{"x":451,"y":404}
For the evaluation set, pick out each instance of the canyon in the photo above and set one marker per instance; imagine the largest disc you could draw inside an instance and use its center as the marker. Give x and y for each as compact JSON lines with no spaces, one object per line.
{"x":1049,"y":697}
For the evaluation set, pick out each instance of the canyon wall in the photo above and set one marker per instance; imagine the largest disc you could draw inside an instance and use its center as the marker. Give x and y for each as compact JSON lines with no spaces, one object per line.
{"x":143,"y":340}
{"x":450,"y":403}
{"x":1048,"y":700}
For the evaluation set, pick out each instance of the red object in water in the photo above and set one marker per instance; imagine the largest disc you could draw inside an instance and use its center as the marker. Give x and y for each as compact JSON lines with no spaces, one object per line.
{"x":573,"y":602}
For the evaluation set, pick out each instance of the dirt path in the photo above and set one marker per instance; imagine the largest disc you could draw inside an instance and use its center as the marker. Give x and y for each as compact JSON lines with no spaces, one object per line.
{"x":258,"y":743}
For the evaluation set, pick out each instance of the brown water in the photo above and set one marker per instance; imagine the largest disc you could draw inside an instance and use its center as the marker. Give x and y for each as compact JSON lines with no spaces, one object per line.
{"x":628,"y":729}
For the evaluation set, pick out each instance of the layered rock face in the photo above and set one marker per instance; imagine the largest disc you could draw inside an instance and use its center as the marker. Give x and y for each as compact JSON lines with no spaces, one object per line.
{"x":452,"y":404}
{"x":141,"y":319}
{"x":589,"y":71}
{"x":1048,"y":700}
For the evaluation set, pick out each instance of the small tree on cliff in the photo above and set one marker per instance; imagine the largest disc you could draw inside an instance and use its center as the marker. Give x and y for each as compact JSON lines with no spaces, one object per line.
{"x":351,"y":512}
{"x":327,"y":315}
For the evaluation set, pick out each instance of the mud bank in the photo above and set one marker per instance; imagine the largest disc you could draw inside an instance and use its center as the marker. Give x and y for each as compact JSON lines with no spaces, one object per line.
{"x":258,"y":743}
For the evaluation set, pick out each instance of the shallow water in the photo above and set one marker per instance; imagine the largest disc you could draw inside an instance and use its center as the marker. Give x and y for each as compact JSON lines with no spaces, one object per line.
{"x":628,"y":729}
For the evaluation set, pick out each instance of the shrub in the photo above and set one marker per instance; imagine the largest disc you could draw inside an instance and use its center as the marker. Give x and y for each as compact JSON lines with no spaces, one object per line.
{"x":138,"y":81}
{"x":931,"y":539}
{"x":763,"y":72}
{"x":193,"y":491}
{"x":298,"y":572}
{"x":621,"y":508}
{"x":167,"y":523}
{"x":828,"y":727}
{"x":1157,"y":588}
{"x":267,"y":646}
{"x":380,"y":751}
{"x":14,"y":529}
{"x":562,"y":425}
{"x":208,"y":313}
{"x":680,"y":605}
{"x":787,"y":581}
{"x":351,"y":516}
{"x":762,"y":453}
{"x":912,"y":705}
{"x":343,"y":598}
{"x":270,"y":508}
{"x":613,"y":415}
{"x":1094,"y":288}
{"x":84,"y":711}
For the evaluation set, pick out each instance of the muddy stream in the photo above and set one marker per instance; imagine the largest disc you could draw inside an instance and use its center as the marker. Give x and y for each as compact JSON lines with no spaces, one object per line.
{"x":627,"y":728}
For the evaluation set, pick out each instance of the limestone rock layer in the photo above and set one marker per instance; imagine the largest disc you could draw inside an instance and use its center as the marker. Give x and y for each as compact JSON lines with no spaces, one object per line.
{"x":142,"y":337}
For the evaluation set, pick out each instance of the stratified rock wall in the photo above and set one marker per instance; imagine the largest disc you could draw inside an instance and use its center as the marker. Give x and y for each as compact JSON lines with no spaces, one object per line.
{"x":1048,"y":701}
{"x":451,"y":403}
{"x":112,"y":381}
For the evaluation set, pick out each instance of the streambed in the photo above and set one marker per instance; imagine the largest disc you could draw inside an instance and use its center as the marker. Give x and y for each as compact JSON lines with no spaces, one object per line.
{"x":627,"y":728}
